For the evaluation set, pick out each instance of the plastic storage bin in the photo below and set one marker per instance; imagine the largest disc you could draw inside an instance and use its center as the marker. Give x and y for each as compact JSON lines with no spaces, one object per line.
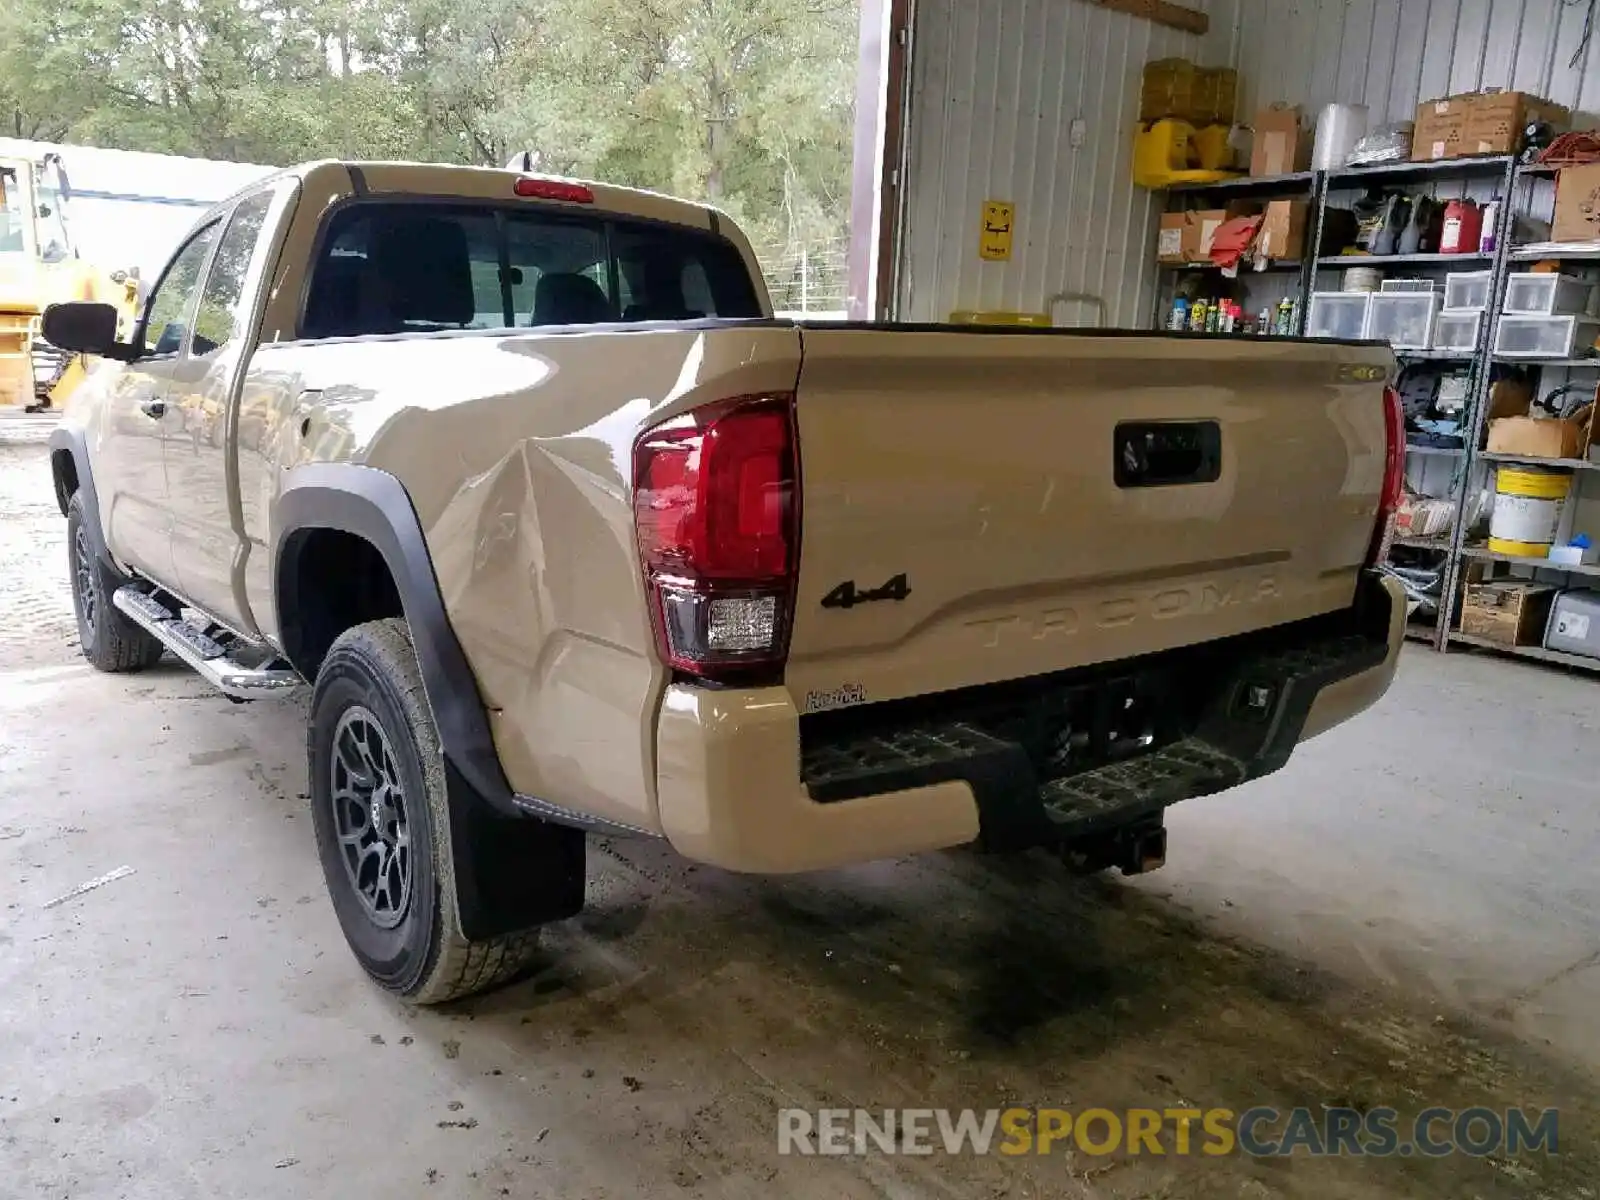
{"x":1457,"y":332}
{"x":1338,"y":314}
{"x":1403,"y":319}
{"x":1467,"y":289}
{"x":1519,"y":336}
{"x":1531,"y":292}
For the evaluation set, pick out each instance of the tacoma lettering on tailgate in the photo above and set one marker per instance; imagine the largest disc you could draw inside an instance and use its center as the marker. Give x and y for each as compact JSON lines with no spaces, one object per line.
{"x":1164,"y":605}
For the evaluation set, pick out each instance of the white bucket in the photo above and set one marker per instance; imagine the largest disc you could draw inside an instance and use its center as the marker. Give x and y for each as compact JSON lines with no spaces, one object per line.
{"x":1529,"y":503}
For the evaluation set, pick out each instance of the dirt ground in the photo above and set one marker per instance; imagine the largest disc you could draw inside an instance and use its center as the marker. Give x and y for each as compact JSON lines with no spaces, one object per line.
{"x":1383,"y":923}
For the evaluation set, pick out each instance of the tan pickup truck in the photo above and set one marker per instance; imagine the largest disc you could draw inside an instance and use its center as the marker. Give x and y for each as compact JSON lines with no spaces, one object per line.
{"x":567,"y":533}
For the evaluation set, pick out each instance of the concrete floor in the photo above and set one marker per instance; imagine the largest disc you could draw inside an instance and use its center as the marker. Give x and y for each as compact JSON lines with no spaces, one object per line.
{"x":1405,"y":915}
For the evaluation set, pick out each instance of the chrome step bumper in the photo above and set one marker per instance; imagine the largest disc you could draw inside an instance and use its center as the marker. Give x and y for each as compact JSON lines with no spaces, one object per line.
{"x":202,"y":652}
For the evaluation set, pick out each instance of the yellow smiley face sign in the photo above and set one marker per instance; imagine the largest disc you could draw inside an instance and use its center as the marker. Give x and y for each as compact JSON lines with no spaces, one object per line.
{"x":994,"y":240}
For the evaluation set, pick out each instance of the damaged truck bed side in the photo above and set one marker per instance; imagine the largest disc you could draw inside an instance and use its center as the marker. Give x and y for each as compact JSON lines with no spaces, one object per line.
{"x":568,"y":534}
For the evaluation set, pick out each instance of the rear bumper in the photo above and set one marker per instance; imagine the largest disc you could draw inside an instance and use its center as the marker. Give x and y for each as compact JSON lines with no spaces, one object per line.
{"x":730,"y":792}
{"x":742,"y":787}
{"x":1338,"y":701}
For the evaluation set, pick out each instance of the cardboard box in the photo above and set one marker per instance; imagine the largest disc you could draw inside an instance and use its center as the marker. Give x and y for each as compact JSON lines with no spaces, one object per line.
{"x":1479,"y":123}
{"x":1219,"y":96}
{"x":1543,"y":437}
{"x":1496,"y":120}
{"x":1508,"y":612}
{"x":1539,"y":437}
{"x":1167,"y":89}
{"x":1510,"y":398}
{"x":1282,"y":143}
{"x":1577,"y":205}
{"x":1441,"y":128}
{"x":1177,"y":88}
{"x":1283,"y":230}
{"x":1186,"y":236}
{"x":1179,"y":240}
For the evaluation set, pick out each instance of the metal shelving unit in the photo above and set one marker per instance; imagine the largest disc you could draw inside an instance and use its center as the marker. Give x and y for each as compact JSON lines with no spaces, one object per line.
{"x":1536,"y":653}
{"x":1432,"y":356}
{"x":1512,"y":360}
{"x":1530,"y":460}
{"x":1497,"y":172}
{"x":1277,"y":264}
{"x":1274,"y":187}
{"x":1404,"y":260}
{"x":1297,"y":185}
{"x":1484,"y":554}
{"x":1502,"y":176}
{"x":1423,"y":172}
{"x":1462,"y":555}
{"x":1522,"y":254}
{"x":1438,"y":542}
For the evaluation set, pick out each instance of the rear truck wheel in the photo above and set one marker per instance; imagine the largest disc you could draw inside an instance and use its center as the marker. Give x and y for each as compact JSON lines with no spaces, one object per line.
{"x":380,"y":809}
{"x":109,"y":640}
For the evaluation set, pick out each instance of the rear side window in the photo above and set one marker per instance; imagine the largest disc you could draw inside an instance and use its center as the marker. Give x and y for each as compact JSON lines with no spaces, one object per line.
{"x":408,"y":267}
{"x":221,"y":315}
{"x":168,"y":306}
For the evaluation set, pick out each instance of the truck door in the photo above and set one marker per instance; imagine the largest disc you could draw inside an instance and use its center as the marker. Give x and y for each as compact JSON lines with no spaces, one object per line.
{"x":135,"y":505}
{"x":207,"y":539}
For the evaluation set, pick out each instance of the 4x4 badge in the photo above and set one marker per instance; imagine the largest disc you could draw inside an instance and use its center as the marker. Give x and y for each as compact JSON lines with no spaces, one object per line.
{"x":847,"y":595}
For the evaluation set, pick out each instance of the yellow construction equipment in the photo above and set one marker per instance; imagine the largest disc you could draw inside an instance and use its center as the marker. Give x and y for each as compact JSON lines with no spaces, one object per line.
{"x":39,"y":266}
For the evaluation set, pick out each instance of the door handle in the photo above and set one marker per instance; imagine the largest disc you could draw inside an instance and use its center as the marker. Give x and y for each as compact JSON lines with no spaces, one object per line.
{"x":153,"y":408}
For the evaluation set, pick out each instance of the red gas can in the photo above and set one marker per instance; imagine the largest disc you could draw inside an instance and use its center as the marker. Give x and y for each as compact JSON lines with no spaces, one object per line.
{"x":1463,"y":228}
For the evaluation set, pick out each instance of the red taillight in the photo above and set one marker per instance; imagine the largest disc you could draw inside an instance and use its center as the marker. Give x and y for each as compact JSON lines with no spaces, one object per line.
{"x":1394,"y":477}
{"x":534,"y":188}
{"x":717,"y":514}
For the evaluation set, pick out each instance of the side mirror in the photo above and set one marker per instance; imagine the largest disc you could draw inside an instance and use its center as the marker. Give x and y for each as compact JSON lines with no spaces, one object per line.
{"x":82,"y":327}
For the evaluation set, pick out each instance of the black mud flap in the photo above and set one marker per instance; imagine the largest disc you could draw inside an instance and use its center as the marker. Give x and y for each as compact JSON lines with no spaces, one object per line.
{"x":512,"y":872}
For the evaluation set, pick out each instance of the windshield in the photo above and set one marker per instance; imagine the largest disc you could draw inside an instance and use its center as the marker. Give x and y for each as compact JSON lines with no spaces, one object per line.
{"x":54,"y":242}
{"x":407,"y":267}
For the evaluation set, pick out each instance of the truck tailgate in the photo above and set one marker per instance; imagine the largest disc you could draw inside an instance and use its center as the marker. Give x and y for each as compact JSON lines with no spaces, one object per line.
{"x":964,"y":519}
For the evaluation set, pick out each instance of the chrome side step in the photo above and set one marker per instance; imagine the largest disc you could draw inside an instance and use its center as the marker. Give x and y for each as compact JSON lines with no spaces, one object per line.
{"x":203,"y":652}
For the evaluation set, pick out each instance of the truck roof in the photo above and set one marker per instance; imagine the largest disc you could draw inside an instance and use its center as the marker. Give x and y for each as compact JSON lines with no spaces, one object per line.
{"x":346,"y":176}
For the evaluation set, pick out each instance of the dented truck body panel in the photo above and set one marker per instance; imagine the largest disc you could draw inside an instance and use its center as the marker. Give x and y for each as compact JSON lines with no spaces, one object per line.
{"x":964,"y":524}
{"x":520,"y":473}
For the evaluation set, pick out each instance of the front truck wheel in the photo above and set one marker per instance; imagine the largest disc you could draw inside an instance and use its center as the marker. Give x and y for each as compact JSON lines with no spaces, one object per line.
{"x":379,"y":805}
{"x":109,"y":640}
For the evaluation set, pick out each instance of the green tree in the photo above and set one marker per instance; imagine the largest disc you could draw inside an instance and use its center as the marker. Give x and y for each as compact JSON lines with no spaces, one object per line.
{"x":746,"y":103}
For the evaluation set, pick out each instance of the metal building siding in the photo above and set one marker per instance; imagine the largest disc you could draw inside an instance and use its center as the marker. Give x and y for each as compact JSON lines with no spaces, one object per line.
{"x":995,"y":87}
{"x":1392,"y":54}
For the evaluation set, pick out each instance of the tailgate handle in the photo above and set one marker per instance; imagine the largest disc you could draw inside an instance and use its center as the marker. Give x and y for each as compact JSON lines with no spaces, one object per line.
{"x":1167,"y":453}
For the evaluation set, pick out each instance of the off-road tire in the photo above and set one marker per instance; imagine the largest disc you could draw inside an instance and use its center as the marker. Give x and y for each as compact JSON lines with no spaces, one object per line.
{"x":424,"y":959}
{"x":108,"y":638}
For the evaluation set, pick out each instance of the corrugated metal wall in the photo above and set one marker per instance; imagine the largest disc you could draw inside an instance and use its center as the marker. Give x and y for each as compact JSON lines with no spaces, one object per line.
{"x":995,"y":89}
{"x":1392,"y":54}
{"x":997,"y":85}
